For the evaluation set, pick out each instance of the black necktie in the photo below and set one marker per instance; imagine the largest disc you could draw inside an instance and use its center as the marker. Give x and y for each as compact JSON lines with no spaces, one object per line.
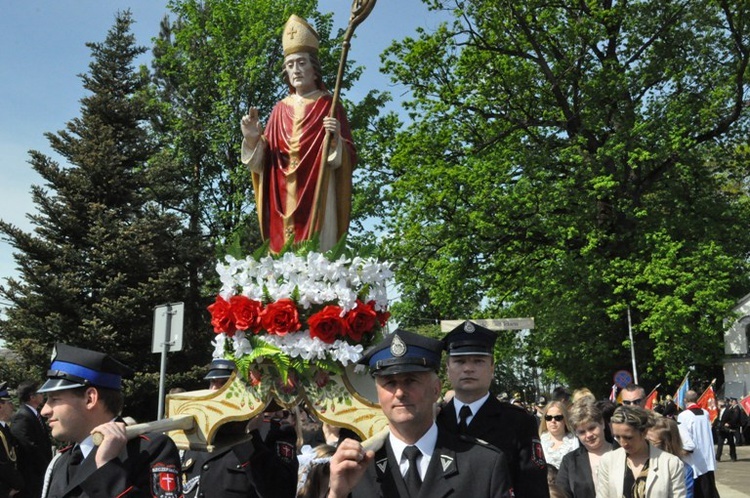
{"x":463,"y":415}
{"x":41,"y":420}
{"x":76,"y":457}
{"x":413,"y":481}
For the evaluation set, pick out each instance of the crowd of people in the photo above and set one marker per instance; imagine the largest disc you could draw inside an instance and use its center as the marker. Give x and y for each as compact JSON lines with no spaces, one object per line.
{"x":473,"y":444}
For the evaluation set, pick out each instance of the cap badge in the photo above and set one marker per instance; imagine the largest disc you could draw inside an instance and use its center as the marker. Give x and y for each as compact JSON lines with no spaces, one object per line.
{"x":469,"y":328}
{"x":398,"y":347}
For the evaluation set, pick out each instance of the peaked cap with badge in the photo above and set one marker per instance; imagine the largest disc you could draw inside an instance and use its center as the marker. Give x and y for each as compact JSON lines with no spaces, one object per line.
{"x":401,"y":352}
{"x":470,"y":338}
{"x":74,"y":367}
{"x":220,"y":369}
{"x":148,"y":465}
{"x":4,"y":394}
{"x":507,"y":427}
{"x":299,"y":36}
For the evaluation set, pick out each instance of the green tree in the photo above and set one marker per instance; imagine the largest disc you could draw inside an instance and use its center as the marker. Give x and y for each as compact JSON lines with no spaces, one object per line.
{"x":102,"y":253}
{"x":567,"y":161}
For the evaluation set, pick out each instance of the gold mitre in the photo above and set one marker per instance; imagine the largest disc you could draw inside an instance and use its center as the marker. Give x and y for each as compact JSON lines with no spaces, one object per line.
{"x":299,"y":36}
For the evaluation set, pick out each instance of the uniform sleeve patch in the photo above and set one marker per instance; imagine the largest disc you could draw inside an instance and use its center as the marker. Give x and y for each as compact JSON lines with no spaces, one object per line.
{"x":537,"y":454}
{"x":165,"y":481}
{"x":285,"y":451}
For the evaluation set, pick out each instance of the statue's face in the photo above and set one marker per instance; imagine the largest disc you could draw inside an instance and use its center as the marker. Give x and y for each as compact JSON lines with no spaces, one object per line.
{"x":301,"y":73}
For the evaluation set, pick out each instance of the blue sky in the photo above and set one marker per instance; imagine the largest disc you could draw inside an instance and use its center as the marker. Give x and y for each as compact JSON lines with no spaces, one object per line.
{"x":42,"y":49}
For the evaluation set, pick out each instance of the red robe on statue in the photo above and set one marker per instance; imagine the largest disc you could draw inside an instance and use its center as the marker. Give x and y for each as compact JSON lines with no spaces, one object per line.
{"x":286,"y":180}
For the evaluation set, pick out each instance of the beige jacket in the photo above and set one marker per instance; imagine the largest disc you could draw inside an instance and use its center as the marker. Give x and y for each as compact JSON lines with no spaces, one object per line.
{"x":666,"y":475}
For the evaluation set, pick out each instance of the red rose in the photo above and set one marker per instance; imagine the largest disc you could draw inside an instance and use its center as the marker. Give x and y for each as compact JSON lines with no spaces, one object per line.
{"x":327,"y":324}
{"x":361,"y":320}
{"x":254,"y":377}
{"x":383,"y":316}
{"x":280,"y":317}
{"x":290,"y":385}
{"x":246,"y":313}
{"x":221,"y":316}
{"x":321,"y":378}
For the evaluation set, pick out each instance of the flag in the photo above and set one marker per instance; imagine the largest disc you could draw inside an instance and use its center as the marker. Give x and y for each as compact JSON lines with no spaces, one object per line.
{"x":679,"y":396}
{"x":613,"y":394}
{"x":651,"y":398}
{"x":745,"y":404}
{"x":707,"y":401}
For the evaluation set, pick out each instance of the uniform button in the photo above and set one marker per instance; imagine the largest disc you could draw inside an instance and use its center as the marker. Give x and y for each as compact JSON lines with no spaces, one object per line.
{"x":205,"y":466}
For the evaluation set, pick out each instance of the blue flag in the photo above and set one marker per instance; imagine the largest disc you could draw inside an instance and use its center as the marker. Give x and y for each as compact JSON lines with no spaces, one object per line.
{"x":679,"y":396}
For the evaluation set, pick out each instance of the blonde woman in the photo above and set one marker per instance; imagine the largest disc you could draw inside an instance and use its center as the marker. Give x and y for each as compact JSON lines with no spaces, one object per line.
{"x":579,"y":468}
{"x":314,"y":471}
{"x":583,"y":393}
{"x":556,"y":434}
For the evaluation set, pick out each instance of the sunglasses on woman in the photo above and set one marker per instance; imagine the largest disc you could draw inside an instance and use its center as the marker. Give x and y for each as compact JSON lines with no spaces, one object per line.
{"x":556,"y":418}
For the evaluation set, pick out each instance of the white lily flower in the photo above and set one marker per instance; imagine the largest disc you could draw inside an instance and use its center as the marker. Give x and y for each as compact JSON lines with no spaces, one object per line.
{"x":319,"y":282}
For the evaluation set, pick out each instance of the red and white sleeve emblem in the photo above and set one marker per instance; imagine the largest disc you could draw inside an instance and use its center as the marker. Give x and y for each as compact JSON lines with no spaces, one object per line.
{"x":165,"y":481}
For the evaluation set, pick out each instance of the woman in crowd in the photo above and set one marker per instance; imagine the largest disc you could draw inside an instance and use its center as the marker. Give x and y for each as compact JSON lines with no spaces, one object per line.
{"x":581,"y":393}
{"x":665,"y":435}
{"x":579,"y":467}
{"x":314,"y":471}
{"x":555,"y":433}
{"x":637,"y":469}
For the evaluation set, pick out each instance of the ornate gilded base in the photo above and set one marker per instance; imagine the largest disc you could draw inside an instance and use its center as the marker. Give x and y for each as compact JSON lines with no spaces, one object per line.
{"x":344,"y":400}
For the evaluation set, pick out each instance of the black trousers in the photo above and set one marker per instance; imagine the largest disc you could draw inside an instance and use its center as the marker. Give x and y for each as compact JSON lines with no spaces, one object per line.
{"x":729,"y":435}
{"x":705,"y":486}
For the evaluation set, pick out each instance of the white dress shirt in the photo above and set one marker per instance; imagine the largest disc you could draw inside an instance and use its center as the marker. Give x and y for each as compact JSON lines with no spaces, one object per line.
{"x":426,"y":445}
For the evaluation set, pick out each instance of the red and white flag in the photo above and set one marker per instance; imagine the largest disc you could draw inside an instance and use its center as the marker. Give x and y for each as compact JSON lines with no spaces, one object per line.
{"x":745,"y":404}
{"x":651,"y":399}
{"x":613,"y":394}
{"x":707,"y":401}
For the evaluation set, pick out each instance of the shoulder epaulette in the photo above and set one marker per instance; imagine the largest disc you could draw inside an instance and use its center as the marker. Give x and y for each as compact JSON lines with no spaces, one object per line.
{"x":481,"y":442}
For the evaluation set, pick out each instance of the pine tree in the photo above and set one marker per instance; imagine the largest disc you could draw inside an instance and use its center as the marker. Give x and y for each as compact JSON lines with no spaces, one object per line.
{"x":102,"y":253}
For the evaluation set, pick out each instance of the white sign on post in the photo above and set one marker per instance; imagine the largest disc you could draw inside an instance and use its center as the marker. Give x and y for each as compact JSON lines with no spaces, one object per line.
{"x":492,"y":324}
{"x":168,"y":327}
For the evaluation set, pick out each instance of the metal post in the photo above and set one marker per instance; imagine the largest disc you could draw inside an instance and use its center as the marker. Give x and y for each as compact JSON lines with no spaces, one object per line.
{"x":632,"y":348}
{"x":163,"y":368}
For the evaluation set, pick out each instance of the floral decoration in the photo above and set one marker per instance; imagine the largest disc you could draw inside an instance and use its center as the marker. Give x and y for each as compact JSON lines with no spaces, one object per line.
{"x":307,"y":312}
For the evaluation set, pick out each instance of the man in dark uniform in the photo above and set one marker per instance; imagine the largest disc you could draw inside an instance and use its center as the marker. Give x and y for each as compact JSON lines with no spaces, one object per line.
{"x":418,"y":459}
{"x":238,"y":467}
{"x":473,"y":411}
{"x":10,"y":477}
{"x":32,"y":434}
{"x":729,"y":424}
{"x":670,"y":407}
{"x":84,"y":397}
